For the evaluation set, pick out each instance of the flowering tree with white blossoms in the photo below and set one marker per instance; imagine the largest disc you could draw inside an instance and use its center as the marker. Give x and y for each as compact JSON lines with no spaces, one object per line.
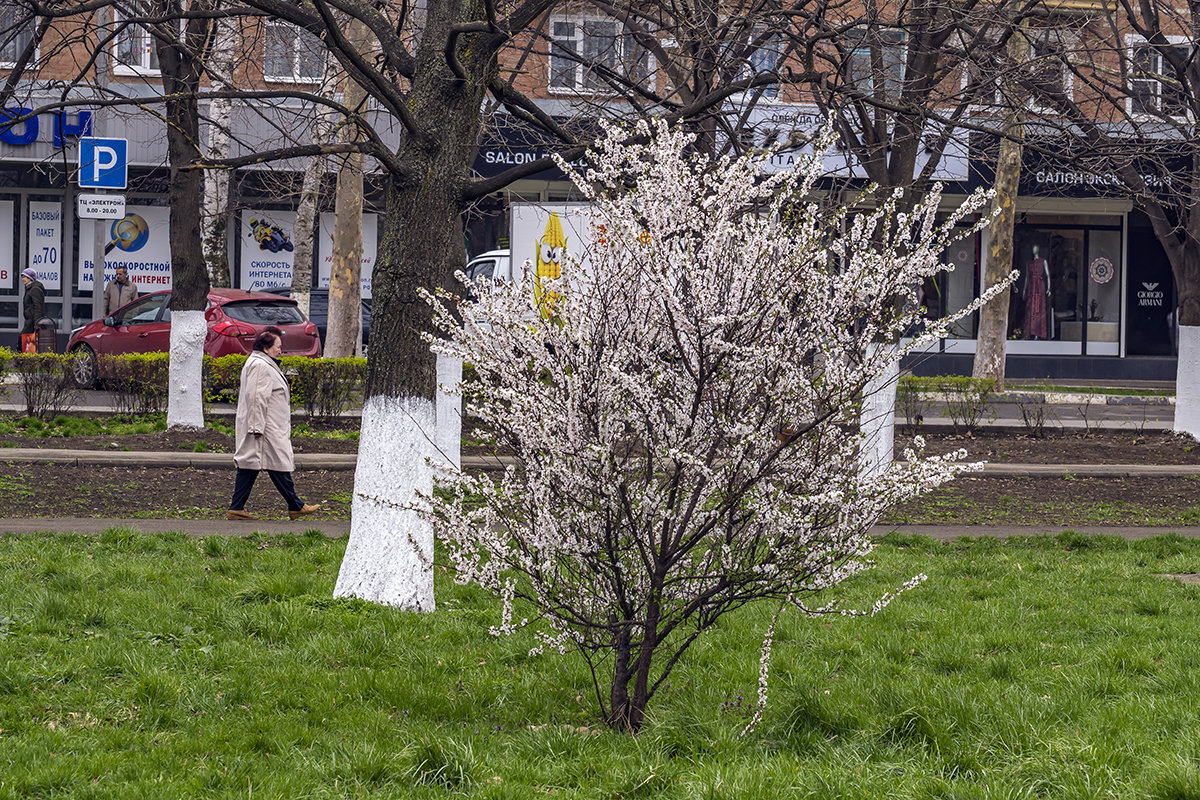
{"x":684,"y":424}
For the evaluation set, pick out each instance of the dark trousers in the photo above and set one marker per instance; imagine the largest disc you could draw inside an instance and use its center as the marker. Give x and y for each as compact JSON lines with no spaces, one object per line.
{"x":245,"y":482}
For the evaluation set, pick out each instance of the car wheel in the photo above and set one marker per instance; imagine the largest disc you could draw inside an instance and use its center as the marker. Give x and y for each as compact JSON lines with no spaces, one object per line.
{"x":84,"y":367}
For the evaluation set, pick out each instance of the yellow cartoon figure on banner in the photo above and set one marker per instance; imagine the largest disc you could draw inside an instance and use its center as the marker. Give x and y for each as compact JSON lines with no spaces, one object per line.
{"x":551,"y":249}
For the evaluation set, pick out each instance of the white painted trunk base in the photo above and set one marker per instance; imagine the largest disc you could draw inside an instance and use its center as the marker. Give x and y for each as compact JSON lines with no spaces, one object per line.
{"x":389,"y":558}
{"x":879,"y":420}
{"x":449,"y":410}
{"x":185,"y":395}
{"x":1187,"y":382}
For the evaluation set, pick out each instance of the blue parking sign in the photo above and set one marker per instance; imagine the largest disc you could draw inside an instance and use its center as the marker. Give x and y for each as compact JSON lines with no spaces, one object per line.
{"x":103,"y":163}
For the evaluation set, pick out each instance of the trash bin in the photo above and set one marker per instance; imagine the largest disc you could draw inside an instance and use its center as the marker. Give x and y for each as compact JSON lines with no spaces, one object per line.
{"x":47,"y":342}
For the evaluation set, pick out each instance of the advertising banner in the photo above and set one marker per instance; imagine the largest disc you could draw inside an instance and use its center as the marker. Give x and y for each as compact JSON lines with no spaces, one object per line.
{"x":267,"y":249}
{"x":370,"y":234}
{"x":45,"y":242}
{"x":140,"y":241}
{"x":542,"y":233}
{"x":8,"y":271}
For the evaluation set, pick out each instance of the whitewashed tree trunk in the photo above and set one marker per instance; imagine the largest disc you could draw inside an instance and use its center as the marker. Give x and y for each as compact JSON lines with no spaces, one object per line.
{"x":1187,"y":382}
{"x":389,"y":557}
{"x":878,"y":421}
{"x":449,"y":410}
{"x":185,"y":400}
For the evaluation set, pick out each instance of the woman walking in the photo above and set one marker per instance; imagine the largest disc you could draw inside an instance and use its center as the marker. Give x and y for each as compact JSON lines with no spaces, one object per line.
{"x":264,"y":428}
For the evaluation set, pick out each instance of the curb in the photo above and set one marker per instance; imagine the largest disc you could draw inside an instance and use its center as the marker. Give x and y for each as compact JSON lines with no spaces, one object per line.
{"x":332,"y":462}
{"x":218,"y":526}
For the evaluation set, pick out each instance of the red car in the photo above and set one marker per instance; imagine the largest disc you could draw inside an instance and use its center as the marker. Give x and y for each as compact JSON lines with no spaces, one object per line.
{"x":234,"y":319}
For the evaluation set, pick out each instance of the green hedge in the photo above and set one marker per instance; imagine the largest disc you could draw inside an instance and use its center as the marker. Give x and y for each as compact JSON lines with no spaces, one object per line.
{"x":324,"y":387}
{"x":139,"y":381}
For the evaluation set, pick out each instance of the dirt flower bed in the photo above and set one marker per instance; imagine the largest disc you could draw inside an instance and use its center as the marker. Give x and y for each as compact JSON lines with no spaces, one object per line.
{"x":1099,"y":447}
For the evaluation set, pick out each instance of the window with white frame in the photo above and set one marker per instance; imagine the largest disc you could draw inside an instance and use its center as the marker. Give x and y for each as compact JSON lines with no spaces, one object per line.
{"x":876,"y":61}
{"x":292,"y":53}
{"x":17,"y":34}
{"x":766,"y":52}
{"x":583,"y":48}
{"x":1154,"y":89}
{"x":1046,"y":68}
{"x":135,"y":50}
{"x":1048,"y":72}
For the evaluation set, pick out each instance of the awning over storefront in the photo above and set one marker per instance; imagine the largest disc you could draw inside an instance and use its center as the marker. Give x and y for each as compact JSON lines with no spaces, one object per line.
{"x":509,"y":142}
{"x":1051,"y":167}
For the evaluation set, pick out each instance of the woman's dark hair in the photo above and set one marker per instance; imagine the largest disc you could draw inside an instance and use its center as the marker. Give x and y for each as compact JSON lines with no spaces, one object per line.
{"x":267,"y":337}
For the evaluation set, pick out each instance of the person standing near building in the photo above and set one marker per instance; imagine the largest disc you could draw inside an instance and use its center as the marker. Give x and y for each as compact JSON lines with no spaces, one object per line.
{"x":263,"y":428}
{"x":119,"y":291}
{"x":34,"y":302}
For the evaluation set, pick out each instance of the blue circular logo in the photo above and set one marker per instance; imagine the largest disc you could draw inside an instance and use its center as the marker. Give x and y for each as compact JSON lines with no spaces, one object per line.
{"x":130,"y":233}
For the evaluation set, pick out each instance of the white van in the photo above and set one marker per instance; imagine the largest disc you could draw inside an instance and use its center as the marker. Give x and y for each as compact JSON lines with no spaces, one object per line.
{"x":494,"y":264}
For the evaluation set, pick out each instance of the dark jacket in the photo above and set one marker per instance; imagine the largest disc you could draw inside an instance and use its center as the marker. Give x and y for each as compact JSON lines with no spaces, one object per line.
{"x":34,"y":304}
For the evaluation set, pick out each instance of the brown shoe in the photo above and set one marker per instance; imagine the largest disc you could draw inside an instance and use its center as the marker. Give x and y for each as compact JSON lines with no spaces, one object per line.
{"x":309,"y":508}
{"x":237,"y":513}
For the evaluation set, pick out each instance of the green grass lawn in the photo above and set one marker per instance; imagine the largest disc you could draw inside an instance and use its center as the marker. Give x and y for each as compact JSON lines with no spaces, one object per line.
{"x":163,"y":667}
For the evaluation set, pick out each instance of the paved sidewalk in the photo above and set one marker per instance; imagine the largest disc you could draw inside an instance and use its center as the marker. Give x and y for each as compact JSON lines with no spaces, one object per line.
{"x":219,"y":526}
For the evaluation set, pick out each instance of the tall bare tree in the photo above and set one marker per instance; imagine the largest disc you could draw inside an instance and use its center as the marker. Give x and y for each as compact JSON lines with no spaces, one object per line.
{"x":1130,"y":119}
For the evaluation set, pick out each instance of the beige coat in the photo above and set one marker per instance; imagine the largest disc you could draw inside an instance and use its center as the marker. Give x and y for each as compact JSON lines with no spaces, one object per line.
{"x":264,"y":408}
{"x":116,"y":295}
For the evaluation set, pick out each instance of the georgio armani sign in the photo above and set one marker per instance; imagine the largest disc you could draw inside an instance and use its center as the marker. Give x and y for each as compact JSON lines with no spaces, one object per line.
{"x":1150,"y":295}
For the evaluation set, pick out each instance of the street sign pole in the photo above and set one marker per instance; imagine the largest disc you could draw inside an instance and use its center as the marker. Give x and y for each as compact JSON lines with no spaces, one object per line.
{"x":102,"y":165}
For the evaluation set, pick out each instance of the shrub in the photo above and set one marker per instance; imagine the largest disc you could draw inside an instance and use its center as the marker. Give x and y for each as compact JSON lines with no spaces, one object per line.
{"x":967,"y":400}
{"x":46,"y":381}
{"x":5,"y":366}
{"x":910,"y":399}
{"x":652,"y":491}
{"x":325,"y":386}
{"x":221,"y":377}
{"x":139,"y":381}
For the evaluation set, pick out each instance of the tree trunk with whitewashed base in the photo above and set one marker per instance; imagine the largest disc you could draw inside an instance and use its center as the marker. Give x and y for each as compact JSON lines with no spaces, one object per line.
{"x":1185,"y":263}
{"x":449,"y":410}
{"x":182,"y":68}
{"x":185,"y":396}
{"x":388,"y":556}
{"x":878,"y":419}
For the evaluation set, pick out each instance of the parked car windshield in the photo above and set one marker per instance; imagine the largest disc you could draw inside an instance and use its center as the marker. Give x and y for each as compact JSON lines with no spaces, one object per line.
{"x":264,"y":312}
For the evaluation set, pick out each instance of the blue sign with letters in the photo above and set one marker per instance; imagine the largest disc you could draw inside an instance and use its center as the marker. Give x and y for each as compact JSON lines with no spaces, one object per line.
{"x":103,"y":163}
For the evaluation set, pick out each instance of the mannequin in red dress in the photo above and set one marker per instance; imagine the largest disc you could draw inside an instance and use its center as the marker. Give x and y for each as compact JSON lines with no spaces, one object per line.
{"x":1037,"y":298}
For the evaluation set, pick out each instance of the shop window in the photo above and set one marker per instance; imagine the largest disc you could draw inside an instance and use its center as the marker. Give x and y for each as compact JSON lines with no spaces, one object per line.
{"x":15,"y":38}
{"x":1154,"y":89}
{"x":875,"y":65}
{"x":1068,"y":290}
{"x":8,"y":315}
{"x":292,"y":54}
{"x":582,"y":48}
{"x":957,"y":286}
